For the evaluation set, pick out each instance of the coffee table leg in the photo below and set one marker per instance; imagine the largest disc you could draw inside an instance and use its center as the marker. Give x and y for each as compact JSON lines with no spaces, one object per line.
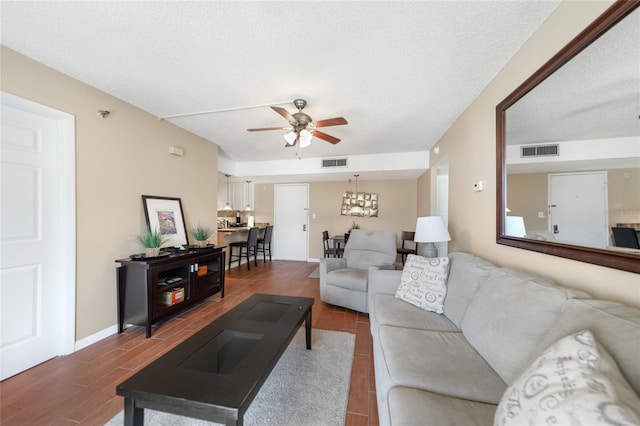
{"x":307,"y":326}
{"x":132,"y":416}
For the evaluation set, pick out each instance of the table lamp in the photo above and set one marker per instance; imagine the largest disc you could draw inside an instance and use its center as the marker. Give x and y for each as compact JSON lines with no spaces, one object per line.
{"x":430,"y":230}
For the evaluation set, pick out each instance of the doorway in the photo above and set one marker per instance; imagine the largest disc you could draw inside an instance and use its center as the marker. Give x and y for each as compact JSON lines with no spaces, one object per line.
{"x":37,"y":236}
{"x":440,"y":206}
{"x":291,"y":221}
{"x":578,"y":207}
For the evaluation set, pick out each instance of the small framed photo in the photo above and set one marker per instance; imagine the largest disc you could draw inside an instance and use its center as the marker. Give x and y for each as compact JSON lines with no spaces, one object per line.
{"x":165,"y":214}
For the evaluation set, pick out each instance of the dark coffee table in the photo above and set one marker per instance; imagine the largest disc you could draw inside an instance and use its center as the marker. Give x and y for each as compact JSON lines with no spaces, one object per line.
{"x":215,"y":374}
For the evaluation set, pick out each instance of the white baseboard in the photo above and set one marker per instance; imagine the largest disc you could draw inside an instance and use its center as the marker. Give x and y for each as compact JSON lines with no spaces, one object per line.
{"x":90,"y":340}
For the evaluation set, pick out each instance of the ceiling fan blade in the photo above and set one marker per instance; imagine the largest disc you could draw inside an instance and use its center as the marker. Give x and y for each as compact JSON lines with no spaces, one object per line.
{"x":337,"y":121}
{"x":325,"y":137}
{"x":283,"y":112}
{"x":268,"y":128}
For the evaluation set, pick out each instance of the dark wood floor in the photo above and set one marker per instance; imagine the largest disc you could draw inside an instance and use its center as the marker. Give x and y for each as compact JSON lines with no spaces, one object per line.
{"x":80,"y":388}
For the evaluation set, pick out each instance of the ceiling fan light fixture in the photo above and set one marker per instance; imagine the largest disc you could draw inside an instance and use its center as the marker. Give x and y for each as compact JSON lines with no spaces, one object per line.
{"x":305,"y":138}
{"x":290,"y":137}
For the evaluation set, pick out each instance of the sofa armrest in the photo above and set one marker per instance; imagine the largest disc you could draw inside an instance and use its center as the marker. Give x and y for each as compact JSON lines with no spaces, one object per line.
{"x":382,"y":281}
{"x":327,"y":265}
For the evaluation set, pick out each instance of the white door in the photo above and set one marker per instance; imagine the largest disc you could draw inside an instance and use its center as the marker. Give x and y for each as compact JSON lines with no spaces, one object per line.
{"x":37,"y":235}
{"x":578,"y":206}
{"x":291,"y":217}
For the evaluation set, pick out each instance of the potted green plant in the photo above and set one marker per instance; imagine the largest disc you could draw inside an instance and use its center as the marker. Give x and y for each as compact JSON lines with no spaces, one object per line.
{"x":202,"y":233}
{"x":355,"y":225}
{"x":151,"y":240}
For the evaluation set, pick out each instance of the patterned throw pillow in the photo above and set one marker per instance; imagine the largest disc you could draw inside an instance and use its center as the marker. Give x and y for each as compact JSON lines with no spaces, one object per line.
{"x":574,"y":382}
{"x":424,"y":282}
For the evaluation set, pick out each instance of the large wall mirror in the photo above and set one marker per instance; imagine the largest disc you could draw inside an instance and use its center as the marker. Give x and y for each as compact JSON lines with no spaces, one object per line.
{"x":568,"y":149}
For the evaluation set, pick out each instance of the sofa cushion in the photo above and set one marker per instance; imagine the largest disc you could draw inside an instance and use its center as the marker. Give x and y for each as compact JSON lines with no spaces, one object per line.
{"x":615,"y":326}
{"x":466,"y":272}
{"x":409,"y":406}
{"x":573,"y":382}
{"x":352,"y":279}
{"x":507,"y":318}
{"x":424,"y":282}
{"x":389,"y":310}
{"x":440,"y":362}
{"x":370,"y":248}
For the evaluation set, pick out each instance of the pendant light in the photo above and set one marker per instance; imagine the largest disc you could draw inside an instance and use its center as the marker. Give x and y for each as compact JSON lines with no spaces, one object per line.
{"x":228,"y":205}
{"x":356,"y":210}
{"x":248,"y":207}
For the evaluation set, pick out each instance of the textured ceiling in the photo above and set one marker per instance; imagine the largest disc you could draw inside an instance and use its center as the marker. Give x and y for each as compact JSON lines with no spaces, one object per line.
{"x":399,"y":72}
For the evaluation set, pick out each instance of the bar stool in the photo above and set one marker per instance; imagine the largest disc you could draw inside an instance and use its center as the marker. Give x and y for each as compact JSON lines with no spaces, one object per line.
{"x":264,"y":243}
{"x":251,"y":243}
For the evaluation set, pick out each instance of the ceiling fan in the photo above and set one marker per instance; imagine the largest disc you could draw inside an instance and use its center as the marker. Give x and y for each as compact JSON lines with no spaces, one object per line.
{"x":302,"y":126}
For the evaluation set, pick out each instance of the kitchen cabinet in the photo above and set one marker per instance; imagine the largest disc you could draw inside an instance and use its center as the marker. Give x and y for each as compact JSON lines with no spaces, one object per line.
{"x":240,"y":194}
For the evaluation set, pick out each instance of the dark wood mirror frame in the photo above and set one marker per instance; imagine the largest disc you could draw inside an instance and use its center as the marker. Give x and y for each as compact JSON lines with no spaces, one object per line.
{"x":613,"y":259}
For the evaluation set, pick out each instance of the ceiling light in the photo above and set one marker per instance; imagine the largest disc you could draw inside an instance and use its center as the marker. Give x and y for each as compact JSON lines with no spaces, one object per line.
{"x":305,"y":138}
{"x":356,"y":210}
{"x":248,"y":207}
{"x":228,"y":205}
{"x":290,"y":137}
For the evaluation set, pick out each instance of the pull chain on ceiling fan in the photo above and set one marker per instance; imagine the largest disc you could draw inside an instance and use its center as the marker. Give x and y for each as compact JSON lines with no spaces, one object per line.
{"x":303,"y":128}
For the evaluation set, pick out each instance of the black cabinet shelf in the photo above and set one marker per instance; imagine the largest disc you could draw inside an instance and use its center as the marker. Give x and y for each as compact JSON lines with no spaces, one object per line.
{"x":141,"y":284}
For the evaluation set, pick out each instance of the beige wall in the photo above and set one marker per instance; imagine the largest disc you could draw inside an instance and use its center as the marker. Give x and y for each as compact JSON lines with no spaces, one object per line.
{"x":527,"y":194}
{"x":470,"y":146}
{"x":117,"y":160}
{"x":398,"y":208}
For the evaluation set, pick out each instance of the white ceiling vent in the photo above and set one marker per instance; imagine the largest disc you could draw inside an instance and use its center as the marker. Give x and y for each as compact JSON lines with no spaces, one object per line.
{"x":539,"y":150}
{"x":334,"y":162}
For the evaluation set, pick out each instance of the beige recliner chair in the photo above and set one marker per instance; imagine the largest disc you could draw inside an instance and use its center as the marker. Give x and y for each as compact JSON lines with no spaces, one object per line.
{"x":344,"y":281}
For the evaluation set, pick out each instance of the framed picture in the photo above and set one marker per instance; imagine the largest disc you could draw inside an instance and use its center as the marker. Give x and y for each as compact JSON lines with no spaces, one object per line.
{"x":165,"y":214}
{"x":368,"y":201}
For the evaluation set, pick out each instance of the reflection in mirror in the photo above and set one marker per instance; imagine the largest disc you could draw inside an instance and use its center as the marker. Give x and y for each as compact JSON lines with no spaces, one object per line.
{"x":569,"y":148}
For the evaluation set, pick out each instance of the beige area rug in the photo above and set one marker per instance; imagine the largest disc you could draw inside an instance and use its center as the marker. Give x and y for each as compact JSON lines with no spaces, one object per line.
{"x":315,"y":273}
{"x":305,"y":387}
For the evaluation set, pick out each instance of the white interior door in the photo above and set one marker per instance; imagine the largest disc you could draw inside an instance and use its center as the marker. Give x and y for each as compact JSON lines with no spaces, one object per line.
{"x":37,"y":234}
{"x":291,"y":217}
{"x":578,"y":206}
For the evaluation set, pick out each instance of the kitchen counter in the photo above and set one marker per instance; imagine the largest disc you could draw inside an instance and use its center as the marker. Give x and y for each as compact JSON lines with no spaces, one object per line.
{"x":242,"y":228}
{"x":234,"y":229}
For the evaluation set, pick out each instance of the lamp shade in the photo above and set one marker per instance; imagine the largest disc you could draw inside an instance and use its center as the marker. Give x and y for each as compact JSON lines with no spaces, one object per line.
{"x":305,"y":138}
{"x":514,"y":226}
{"x":290,"y":137}
{"x":431,"y":229}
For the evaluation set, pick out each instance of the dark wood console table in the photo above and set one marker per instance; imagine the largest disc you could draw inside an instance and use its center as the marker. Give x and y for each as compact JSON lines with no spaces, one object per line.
{"x":143,"y":284}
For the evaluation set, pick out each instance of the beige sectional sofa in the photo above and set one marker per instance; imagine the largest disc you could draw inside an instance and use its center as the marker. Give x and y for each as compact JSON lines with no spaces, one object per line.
{"x":455,"y":368}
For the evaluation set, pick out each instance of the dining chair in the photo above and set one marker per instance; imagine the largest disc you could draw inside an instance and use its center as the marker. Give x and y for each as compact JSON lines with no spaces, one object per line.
{"x":403,"y":251}
{"x":625,"y":237}
{"x":264,"y":243}
{"x":326,"y":247}
{"x":251,"y":244}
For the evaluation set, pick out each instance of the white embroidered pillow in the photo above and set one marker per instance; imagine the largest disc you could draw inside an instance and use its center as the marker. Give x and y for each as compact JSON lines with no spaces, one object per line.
{"x":574,"y":382}
{"x":424,"y":282}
